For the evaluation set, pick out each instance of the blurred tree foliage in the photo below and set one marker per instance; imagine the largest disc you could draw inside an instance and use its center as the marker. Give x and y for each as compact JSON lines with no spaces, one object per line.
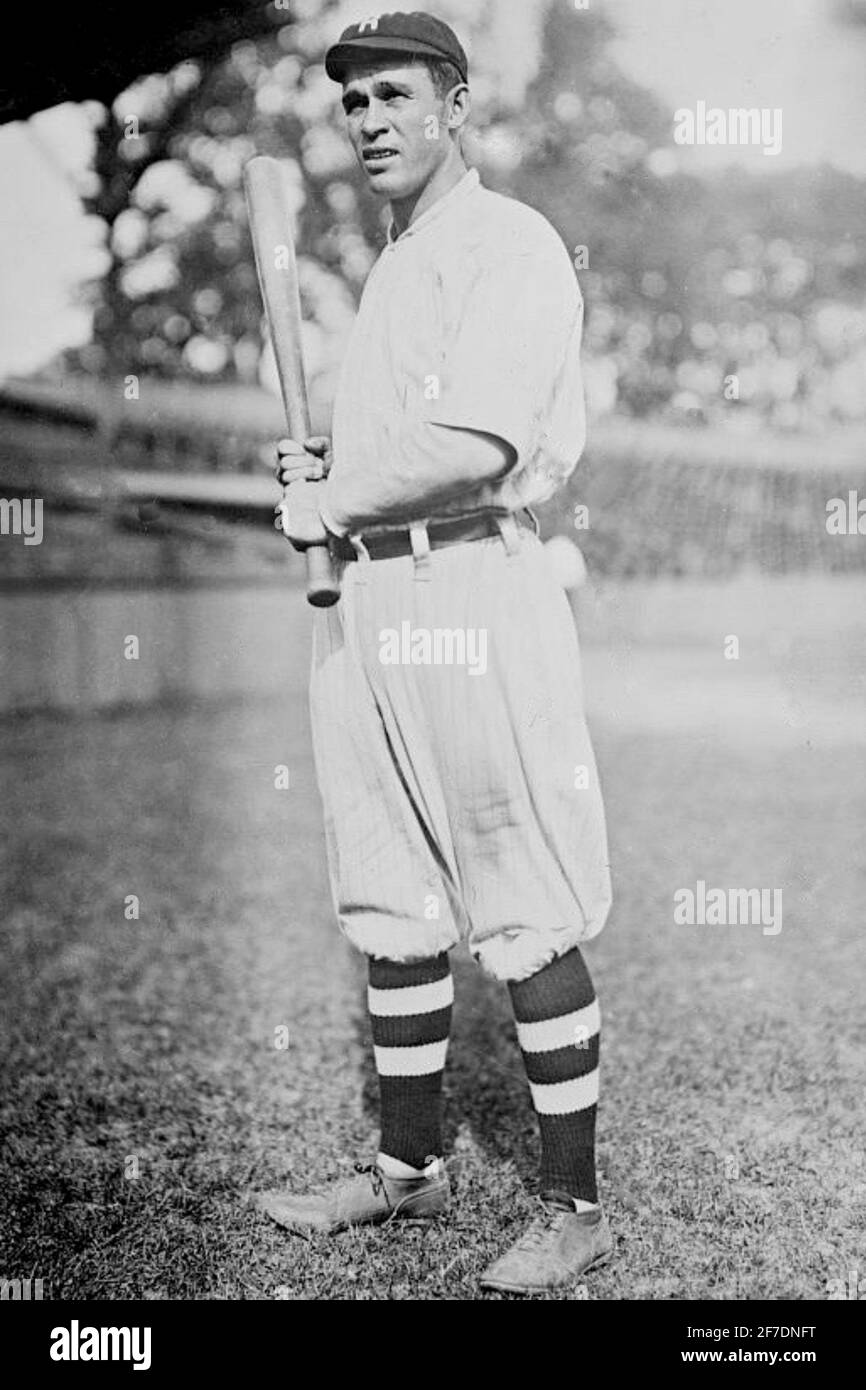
{"x":688,"y":282}
{"x":701,"y":293}
{"x":179,"y":294}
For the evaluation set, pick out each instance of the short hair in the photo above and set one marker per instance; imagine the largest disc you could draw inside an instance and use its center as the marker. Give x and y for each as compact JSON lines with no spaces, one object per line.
{"x":443,"y":74}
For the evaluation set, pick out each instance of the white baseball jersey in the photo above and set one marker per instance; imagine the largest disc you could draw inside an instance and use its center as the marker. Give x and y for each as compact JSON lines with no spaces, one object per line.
{"x":471,"y":318}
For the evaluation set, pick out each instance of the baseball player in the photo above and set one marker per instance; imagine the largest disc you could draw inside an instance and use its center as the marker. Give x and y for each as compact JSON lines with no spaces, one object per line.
{"x":460,"y":791}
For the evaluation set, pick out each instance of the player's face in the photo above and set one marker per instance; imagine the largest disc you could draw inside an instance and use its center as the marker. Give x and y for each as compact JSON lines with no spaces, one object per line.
{"x":398,"y":127}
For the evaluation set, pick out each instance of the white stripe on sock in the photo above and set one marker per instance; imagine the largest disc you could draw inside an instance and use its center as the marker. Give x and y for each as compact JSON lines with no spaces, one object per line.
{"x":566,"y":1097}
{"x":414,"y":999}
{"x":551,"y":1033}
{"x":411,"y":1061}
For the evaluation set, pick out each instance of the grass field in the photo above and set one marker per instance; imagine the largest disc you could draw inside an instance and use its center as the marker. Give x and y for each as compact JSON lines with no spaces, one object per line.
{"x":730,"y":1148}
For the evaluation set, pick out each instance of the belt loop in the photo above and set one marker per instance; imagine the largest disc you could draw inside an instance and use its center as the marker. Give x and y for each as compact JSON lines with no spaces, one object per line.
{"x":509,"y":533}
{"x":362,"y":555}
{"x":420,"y":549}
{"x":534,"y":519}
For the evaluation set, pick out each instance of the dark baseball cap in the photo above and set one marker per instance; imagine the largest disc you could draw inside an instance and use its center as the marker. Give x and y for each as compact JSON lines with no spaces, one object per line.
{"x":395,"y":35}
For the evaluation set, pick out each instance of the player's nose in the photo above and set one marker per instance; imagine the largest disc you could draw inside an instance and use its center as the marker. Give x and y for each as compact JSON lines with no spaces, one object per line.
{"x":374,"y":119}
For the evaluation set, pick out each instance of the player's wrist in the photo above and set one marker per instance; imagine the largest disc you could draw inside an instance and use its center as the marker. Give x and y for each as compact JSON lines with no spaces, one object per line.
{"x":330,"y":523}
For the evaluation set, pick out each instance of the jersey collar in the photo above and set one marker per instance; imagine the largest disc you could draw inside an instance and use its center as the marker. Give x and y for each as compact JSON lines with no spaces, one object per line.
{"x":464,"y":185}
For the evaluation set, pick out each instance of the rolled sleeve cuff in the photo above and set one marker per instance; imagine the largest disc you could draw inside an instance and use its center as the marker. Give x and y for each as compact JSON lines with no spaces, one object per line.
{"x":508,"y":415}
{"x":329,"y":522}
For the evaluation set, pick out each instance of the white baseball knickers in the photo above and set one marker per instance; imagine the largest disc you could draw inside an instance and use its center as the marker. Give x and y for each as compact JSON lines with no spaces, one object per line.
{"x":461,"y":799}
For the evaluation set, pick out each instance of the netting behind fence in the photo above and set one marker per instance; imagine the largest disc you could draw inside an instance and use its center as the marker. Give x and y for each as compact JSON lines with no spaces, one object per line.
{"x":676,"y":503}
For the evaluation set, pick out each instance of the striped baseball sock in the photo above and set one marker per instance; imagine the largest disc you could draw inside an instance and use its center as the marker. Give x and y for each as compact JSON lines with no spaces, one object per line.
{"x":410,"y":1010}
{"x":557,"y":1018}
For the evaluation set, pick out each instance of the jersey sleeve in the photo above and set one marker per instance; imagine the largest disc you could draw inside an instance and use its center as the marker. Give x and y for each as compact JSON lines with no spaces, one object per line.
{"x":511,"y":364}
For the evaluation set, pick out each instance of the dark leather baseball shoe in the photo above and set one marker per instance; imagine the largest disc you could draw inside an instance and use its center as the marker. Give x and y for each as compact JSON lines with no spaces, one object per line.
{"x":369,"y":1198}
{"x":560,"y":1245}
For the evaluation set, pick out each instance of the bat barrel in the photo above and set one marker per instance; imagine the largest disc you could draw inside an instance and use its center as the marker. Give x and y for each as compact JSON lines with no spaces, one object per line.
{"x":270,"y":215}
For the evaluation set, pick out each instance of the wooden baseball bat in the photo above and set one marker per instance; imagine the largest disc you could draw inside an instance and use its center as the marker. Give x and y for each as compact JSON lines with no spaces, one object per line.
{"x":270,"y":224}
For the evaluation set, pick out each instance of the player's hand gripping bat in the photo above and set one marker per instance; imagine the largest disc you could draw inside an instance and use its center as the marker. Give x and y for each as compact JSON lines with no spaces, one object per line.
{"x":270,"y":224}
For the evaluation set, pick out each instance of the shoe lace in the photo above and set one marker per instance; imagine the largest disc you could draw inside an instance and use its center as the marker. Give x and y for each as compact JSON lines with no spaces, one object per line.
{"x":374,"y":1173}
{"x":549,"y":1221}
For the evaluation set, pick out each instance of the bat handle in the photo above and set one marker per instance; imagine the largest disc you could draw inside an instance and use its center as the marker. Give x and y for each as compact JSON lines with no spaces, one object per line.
{"x":323,"y":587}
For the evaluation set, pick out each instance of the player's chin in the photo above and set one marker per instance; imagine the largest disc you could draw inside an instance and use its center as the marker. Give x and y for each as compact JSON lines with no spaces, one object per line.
{"x":387,"y":182}
{"x":394,"y":179}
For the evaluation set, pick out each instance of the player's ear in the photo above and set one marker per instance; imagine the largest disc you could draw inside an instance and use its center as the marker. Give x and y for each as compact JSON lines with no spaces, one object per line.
{"x":458,"y":106}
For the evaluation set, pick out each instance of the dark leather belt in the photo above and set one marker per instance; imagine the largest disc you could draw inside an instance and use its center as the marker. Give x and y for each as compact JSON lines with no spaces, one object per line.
{"x":388,"y":544}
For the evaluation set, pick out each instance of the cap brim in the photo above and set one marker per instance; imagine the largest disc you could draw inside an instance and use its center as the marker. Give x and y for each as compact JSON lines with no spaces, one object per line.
{"x":356,"y":52}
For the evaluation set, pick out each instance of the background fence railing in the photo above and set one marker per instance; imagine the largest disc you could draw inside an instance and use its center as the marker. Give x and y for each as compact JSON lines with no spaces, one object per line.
{"x":647,"y":500}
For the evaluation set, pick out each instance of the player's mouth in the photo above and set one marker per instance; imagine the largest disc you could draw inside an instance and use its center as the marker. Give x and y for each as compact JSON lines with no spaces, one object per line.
{"x":378,"y":158}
